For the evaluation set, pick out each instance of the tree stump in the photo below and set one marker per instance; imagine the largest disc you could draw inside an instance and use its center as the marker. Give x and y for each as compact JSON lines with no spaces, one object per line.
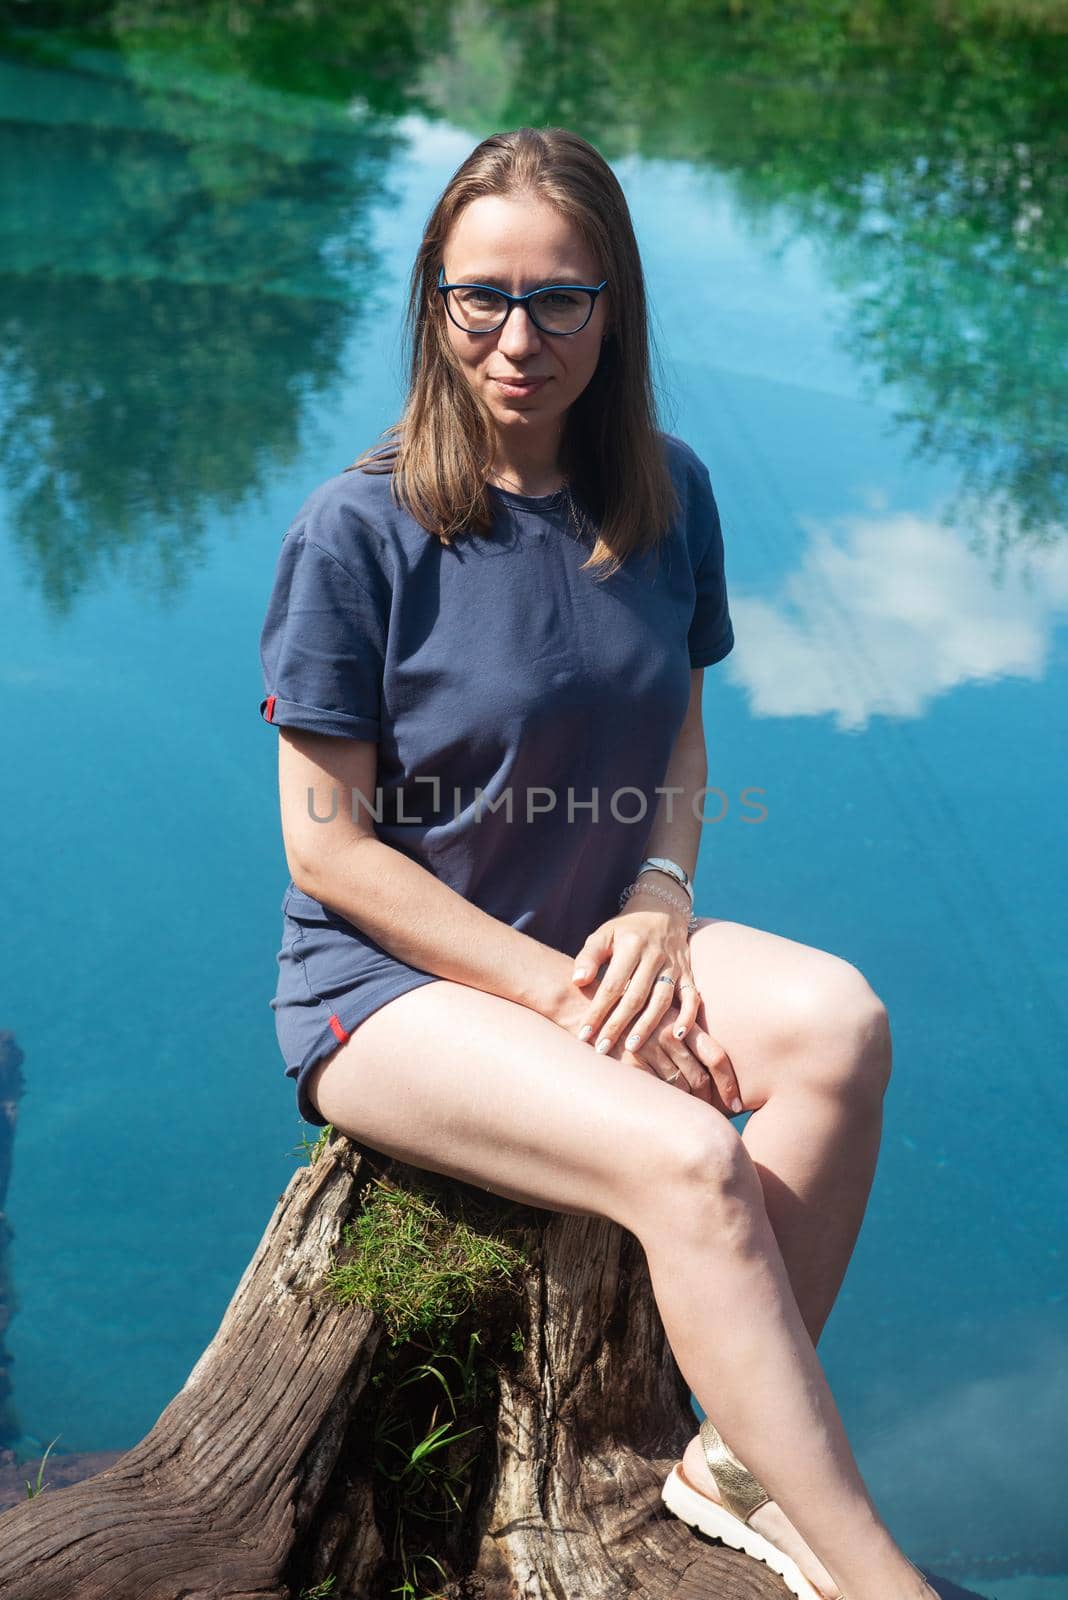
{"x":418,"y":1389}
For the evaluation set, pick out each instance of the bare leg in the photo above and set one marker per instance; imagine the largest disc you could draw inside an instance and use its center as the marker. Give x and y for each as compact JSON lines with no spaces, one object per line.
{"x":816,"y":1186}
{"x":470,"y":1084}
{"x":810,"y":1042}
{"x":815,"y":1086}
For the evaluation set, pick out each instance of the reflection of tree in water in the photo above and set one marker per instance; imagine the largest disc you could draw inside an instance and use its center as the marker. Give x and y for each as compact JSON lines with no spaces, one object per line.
{"x":183,"y":280}
{"x":134,"y":410}
{"x":926,"y":159}
{"x":973,"y":332}
{"x":938,"y":199}
{"x":197,"y":252}
{"x":329,"y":49}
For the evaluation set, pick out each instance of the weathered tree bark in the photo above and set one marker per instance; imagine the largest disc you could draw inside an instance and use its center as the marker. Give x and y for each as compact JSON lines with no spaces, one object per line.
{"x":272,"y":1471}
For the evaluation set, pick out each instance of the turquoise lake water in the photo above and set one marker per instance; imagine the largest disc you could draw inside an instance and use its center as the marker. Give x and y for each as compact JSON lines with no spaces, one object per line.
{"x":202,"y":273}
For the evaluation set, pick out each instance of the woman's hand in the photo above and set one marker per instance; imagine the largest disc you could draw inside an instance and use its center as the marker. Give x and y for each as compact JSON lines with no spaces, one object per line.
{"x":697,"y":1065}
{"x":628,"y":953}
{"x":634,"y":950}
{"x":703,"y":1066}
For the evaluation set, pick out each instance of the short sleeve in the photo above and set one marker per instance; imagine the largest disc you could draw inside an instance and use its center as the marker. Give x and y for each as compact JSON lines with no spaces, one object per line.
{"x":322,"y":646}
{"x":711,"y":634}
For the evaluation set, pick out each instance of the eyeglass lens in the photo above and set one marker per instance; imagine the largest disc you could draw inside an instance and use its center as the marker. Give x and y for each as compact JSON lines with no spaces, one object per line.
{"x":555,"y":311}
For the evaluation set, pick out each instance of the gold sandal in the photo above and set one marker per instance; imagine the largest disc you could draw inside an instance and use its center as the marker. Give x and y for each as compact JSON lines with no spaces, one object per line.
{"x":742,"y":1495}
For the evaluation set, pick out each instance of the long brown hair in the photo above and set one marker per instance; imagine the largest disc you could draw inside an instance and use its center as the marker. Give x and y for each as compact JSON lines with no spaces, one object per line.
{"x":440,"y":451}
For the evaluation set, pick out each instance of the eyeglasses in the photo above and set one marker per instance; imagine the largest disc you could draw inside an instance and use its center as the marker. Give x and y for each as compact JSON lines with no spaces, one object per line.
{"x":554,"y":308}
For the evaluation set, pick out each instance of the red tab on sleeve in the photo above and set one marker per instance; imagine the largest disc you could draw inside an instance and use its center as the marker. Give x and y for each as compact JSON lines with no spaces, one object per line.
{"x":269,"y":712}
{"x":339,"y":1032}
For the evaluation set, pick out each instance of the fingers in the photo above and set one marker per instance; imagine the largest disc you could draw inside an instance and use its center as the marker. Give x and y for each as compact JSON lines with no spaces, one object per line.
{"x":671,"y":1055}
{"x":688,"y":1000}
{"x":641,"y":1008}
{"x":659,"y":1019}
{"x":713,"y":1056}
{"x":677,"y":1065}
{"x":594,"y":953}
{"x":619,"y":994}
{"x":698,"y":1065}
{"x":693,"y":1077}
{"x":662,"y":998}
{"x":632,"y":997}
{"x":703,"y":1066}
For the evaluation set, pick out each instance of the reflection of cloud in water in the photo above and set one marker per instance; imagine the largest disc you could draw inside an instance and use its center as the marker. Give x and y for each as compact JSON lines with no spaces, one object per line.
{"x":885,"y":613}
{"x":978,"y":1475}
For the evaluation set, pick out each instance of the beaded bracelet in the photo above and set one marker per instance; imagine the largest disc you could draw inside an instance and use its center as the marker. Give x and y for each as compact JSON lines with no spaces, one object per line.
{"x":661,"y":894}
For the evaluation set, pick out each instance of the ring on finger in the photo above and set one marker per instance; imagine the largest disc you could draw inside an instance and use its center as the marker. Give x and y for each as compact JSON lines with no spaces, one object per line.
{"x":676,"y":1074}
{"x":665,"y":977}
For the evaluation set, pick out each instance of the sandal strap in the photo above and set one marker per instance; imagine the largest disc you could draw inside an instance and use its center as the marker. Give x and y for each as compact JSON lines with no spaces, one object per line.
{"x":740,"y":1492}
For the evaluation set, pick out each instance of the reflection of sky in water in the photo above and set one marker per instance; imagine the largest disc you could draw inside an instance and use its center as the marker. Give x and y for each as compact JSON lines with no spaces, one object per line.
{"x":897,"y":702}
{"x":885,"y":612}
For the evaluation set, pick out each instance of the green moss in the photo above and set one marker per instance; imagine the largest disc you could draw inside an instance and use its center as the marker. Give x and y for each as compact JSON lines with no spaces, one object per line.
{"x":417,"y":1269}
{"x":441,"y":1266}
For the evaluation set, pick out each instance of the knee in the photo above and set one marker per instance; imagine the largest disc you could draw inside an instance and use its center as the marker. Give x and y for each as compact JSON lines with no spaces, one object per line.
{"x":704,"y":1181}
{"x":843,"y":1029}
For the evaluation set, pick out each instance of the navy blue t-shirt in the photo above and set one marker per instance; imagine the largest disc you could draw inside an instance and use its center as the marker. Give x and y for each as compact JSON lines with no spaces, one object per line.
{"x":524,"y":712}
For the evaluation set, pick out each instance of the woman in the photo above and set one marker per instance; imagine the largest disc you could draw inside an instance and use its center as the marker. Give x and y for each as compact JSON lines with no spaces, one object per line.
{"x":484,"y":652}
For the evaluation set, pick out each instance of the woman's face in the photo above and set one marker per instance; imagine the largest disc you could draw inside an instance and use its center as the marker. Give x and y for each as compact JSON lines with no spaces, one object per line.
{"x":518,"y":245}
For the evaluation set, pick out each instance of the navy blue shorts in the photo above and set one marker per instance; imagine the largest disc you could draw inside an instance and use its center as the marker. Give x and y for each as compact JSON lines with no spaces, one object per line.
{"x":330,"y":978}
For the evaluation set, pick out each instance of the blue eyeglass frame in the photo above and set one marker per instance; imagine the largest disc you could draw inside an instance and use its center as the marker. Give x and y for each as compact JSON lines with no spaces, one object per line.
{"x":593,"y":290}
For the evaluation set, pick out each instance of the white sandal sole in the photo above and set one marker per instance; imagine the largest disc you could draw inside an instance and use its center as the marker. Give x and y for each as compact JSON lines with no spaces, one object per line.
{"x":698,"y":1511}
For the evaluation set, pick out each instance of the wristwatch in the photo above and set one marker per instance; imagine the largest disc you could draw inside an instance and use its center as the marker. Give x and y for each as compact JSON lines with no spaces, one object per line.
{"x":673,"y":870}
